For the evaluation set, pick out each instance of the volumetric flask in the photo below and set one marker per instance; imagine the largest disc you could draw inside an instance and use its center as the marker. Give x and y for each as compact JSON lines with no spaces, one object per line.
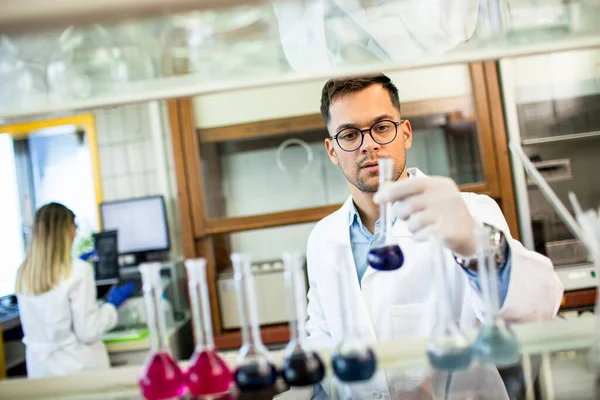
{"x":208,"y":374}
{"x":161,"y":377}
{"x":300,"y":367}
{"x":496,"y":343}
{"x":352,"y":360}
{"x":385,"y":254}
{"x":448,"y":348}
{"x":254,"y":370}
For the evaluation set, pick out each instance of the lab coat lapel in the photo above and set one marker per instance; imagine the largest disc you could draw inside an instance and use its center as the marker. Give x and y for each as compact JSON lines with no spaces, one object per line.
{"x":340,"y":235}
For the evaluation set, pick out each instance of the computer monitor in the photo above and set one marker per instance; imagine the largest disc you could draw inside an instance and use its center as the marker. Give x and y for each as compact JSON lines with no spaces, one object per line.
{"x":141,"y":224}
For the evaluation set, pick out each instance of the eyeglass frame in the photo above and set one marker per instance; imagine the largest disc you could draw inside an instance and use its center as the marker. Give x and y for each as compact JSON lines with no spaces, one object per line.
{"x":369,"y":130}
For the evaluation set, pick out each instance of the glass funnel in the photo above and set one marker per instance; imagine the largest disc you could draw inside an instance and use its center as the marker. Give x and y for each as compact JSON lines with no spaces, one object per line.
{"x":161,"y":377}
{"x":208,"y":373}
{"x":496,"y":343}
{"x":385,"y":254}
{"x":448,"y":348}
{"x":254,"y":370}
{"x":352,"y":360}
{"x":300,"y":367}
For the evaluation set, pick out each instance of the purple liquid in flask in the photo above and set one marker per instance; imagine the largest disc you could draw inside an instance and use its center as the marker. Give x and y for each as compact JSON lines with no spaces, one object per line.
{"x":385,"y":254}
{"x":254,"y":371}
{"x":300,"y":367}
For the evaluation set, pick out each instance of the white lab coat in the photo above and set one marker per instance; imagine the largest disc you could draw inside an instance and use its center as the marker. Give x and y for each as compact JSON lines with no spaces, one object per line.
{"x":400,"y":304}
{"x":63,"y":326}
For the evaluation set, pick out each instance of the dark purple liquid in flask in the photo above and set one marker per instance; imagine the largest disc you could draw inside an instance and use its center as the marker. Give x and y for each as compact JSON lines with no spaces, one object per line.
{"x":385,"y":254}
{"x":254,"y":369}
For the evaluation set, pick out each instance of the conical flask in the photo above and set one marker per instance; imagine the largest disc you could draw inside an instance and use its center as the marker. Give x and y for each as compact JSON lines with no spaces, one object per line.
{"x":385,"y":254}
{"x":254,"y":370}
{"x":161,"y":377}
{"x":448,"y":348}
{"x":300,"y":366}
{"x":496,"y":343}
{"x":352,"y":360}
{"x":208,"y":374}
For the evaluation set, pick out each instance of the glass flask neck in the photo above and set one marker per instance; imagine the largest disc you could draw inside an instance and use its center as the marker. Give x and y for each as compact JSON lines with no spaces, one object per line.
{"x":247,"y":308}
{"x":347,"y":319}
{"x":386,"y":167}
{"x":486,"y":267}
{"x":152,"y":289}
{"x":296,"y":287}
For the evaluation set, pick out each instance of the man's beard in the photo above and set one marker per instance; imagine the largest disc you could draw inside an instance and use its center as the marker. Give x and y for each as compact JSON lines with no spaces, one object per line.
{"x":364,"y":186}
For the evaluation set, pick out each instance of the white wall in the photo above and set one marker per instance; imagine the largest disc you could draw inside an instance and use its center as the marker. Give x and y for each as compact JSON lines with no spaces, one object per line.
{"x":11,"y":238}
{"x":130,"y":165}
{"x":222,"y":109}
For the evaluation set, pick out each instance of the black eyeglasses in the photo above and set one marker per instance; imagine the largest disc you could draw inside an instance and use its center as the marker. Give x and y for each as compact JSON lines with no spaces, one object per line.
{"x":382,"y":132}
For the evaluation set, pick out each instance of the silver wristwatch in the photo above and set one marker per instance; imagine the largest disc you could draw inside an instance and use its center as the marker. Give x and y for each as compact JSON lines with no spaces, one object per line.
{"x":499,"y":245}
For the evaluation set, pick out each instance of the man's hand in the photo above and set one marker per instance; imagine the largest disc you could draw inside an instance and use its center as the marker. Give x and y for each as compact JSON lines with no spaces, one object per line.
{"x":432,"y":205}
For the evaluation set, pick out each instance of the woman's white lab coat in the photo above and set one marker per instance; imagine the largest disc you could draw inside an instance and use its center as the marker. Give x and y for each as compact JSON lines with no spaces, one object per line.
{"x":400,"y":304}
{"x":63,"y":327}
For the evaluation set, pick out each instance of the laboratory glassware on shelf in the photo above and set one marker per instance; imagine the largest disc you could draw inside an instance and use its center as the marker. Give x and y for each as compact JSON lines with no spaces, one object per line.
{"x":254,"y":370}
{"x":448,"y":348}
{"x":496,"y":343}
{"x":352,"y":360}
{"x":161,"y":377}
{"x":208,"y":373}
{"x":385,"y":254}
{"x":300,"y":366}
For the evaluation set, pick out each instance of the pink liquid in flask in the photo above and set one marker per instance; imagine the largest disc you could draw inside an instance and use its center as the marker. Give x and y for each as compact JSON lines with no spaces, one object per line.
{"x":162,"y":379}
{"x":208,"y":374}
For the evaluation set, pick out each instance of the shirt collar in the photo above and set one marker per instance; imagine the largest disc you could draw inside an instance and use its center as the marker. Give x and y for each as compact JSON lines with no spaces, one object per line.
{"x":354,"y":217}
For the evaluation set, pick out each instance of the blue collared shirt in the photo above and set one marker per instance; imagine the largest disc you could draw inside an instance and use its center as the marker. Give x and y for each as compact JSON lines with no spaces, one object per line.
{"x":361,"y":238}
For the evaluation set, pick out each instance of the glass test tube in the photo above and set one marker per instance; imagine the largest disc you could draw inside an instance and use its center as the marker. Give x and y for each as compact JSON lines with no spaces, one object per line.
{"x":161,"y":377}
{"x":352,"y":360}
{"x":385,"y":254}
{"x":448,"y":348}
{"x":300,"y":367}
{"x":254,"y":369}
{"x":208,"y":373}
{"x":496,"y":343}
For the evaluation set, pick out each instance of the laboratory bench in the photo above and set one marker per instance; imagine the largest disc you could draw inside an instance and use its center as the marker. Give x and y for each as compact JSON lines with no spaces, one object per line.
{"x":130,"y":346}
{"x":554,"y":366}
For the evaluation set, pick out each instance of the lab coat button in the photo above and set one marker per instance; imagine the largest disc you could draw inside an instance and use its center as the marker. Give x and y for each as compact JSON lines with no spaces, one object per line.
{"x":376,"y":395}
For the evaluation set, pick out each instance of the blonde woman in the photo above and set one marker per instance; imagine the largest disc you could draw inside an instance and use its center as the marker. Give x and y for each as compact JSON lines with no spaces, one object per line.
{"x":62,"y":323}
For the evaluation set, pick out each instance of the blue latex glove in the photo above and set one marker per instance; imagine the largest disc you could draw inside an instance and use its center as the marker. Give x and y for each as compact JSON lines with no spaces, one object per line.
{"x":88,"y":255}
{"x":118,"y":294}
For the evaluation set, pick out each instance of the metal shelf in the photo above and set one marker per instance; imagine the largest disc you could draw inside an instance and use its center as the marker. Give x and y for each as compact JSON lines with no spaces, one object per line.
{"x":560,"y":138}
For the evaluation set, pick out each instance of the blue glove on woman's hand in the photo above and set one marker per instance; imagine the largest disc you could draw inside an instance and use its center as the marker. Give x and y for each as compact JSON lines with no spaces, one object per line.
{"x":118,"y":294}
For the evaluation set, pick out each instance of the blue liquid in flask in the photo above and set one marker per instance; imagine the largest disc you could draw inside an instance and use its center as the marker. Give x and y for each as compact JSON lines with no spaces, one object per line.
{"x":354,"y":367}
{"x":497,"y":346}
{"x":452,"y":360}
{"x":252,"y":376}
{"x":386,"y":258}
{"x":303,"y":369}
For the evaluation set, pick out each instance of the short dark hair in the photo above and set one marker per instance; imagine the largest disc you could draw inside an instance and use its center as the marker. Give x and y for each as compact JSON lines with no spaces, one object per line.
{"x":334,"y":88}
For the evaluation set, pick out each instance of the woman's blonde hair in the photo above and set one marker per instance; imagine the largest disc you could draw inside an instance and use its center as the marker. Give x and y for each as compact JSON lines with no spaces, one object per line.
{"x":48,"y":258}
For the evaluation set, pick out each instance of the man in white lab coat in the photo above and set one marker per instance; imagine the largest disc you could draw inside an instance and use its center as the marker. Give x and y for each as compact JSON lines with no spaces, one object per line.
{"x":365,"y":124}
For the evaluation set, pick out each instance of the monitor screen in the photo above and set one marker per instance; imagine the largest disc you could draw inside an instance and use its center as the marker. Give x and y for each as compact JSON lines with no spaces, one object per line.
{"x":141,"y":224}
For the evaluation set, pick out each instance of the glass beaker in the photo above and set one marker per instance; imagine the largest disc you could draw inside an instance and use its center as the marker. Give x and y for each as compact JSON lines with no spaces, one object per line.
{"x":254,"y":368}
{"x":448,"y":348}
{"x":300,"y":367}
{"x":352,"y":360}
{"x":208,"y":373}
{"x":385,"y":254}
{"x":496,"y":343}
{"x":161,"y":377}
